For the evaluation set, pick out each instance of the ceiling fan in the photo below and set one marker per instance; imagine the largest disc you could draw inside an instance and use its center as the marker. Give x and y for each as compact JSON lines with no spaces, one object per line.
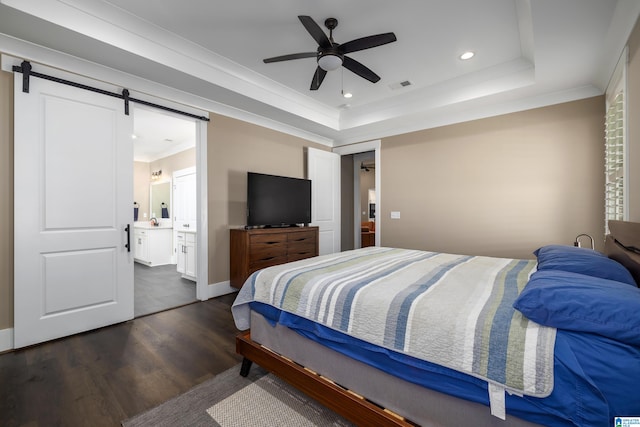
{"x":367,"y":166}
{"x":331,"y":55}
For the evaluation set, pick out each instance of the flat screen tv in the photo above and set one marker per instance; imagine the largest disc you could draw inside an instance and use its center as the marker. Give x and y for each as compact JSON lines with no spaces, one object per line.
{"x":277,"y":201}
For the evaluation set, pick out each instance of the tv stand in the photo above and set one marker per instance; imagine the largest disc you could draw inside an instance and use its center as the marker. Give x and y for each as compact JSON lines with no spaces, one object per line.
{"x":254,"y":249}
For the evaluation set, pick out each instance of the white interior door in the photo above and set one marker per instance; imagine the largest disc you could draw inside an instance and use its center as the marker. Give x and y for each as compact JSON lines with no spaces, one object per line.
{"x":73,"y":195}
{"x":323,"y":169}
{"x":185,"y":198}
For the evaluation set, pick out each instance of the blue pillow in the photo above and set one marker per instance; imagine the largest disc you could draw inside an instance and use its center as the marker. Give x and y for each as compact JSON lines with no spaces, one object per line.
{"x":582,"y":261}
{"x":582,"y":303}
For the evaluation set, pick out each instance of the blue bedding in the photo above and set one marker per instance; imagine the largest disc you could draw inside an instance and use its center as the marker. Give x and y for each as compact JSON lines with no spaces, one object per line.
{"x":596,"y":378}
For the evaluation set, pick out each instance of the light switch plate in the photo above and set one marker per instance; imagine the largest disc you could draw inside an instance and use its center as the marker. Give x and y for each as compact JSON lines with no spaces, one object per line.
{"x":395,"y":215}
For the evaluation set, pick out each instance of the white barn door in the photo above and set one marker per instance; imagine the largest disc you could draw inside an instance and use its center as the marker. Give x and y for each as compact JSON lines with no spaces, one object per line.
{"x":323,"y":169}
{"x":73,"y":190}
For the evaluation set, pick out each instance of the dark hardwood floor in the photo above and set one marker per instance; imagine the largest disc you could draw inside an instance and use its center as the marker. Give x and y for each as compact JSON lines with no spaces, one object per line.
{"x":102,"y":377}
{"x":159,"y":288}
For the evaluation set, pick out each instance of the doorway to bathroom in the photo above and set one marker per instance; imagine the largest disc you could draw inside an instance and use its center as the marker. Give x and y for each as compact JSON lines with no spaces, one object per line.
{"x":165,"y":211}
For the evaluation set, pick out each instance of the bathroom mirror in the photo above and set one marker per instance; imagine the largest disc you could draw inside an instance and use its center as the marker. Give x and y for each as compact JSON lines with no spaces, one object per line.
{"x":160,"y":200}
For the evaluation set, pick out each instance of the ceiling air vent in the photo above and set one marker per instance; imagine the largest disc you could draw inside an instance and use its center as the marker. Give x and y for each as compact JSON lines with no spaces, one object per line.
{"x":400,"y":85}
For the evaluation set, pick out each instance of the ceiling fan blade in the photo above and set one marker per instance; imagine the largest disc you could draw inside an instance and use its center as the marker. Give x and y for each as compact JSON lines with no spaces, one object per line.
{"x":366,"y":42}
{"x":318,"y":77}
{"x":291,"y":56}
{"x":359,"y":69}
{"x":316,"y":32}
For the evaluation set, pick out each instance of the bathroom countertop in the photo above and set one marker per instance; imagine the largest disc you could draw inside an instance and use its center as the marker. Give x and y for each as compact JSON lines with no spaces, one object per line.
{"x":147,"y":225}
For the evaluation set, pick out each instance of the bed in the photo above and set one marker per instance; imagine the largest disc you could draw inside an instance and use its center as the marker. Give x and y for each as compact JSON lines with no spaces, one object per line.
{"x":405,"y":337}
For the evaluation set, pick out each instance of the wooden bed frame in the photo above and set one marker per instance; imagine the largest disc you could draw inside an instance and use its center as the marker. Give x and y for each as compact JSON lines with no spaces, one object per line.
{"x":350,"y":405}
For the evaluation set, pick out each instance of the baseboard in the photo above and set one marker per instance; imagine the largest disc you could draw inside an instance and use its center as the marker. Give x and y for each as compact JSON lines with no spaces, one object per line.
{"x":220,"y":288}
{"x":6,"y":339}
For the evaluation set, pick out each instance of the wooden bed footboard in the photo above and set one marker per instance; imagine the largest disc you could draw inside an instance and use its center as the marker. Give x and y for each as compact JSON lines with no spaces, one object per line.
{"x":351,"y":406}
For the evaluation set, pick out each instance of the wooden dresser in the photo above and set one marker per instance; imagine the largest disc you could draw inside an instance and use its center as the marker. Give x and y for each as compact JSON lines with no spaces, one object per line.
{"x":254,"y":249}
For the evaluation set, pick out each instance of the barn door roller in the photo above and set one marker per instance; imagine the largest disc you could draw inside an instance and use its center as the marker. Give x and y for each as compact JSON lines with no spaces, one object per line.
{"x":27,"y":71}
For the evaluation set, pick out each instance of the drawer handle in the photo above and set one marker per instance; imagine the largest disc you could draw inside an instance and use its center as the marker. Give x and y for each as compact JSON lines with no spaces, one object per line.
{"x":267,"y":259}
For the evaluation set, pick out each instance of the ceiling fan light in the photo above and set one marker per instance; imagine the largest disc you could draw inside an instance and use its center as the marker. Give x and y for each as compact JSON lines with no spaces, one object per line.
{"x":329,"y":62}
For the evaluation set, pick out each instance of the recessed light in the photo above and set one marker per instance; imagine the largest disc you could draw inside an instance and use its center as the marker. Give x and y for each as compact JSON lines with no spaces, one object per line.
{"x":134,"y":136}
{"x":467,"y":55}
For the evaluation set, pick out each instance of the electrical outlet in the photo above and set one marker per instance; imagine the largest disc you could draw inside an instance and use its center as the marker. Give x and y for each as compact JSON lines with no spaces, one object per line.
{"x":395,"y":215}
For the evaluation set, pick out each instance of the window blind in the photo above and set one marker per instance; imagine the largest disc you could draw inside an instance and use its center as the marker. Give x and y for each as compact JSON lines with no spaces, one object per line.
{"x":614,"y":159}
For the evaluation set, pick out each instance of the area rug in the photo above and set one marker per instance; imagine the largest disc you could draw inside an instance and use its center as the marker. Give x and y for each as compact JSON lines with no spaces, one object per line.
{"x":229,"y":400}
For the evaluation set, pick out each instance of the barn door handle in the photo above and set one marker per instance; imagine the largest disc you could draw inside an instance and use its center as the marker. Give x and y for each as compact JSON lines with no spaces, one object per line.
{"x":128,"y":231}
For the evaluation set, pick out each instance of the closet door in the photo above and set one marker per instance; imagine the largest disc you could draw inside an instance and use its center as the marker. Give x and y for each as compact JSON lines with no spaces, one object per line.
{"x":73,"y":194}
{"x":185,"y":200}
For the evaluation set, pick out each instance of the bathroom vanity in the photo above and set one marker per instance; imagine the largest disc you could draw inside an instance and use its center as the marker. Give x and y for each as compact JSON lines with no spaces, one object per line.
{"x":152,"y":245}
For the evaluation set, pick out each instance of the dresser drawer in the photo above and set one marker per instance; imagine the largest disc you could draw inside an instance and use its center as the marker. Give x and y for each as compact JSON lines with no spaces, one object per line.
{"x":267,"y":262}
{"x":301,"y":250}
{"x":259,"y":253}
{"x":302,"y":237}
{"x":301,"y":247}
{"x":258,"y":240}
{"x":266,"y":247}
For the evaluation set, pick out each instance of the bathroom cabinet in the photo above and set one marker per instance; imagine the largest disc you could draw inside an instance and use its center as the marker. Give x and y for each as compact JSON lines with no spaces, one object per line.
{"x":186,"y":254}
{"x":152,"y":245}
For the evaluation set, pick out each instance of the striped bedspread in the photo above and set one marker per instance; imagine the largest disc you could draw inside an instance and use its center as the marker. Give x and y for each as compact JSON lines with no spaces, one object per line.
{"x":452,"y":310}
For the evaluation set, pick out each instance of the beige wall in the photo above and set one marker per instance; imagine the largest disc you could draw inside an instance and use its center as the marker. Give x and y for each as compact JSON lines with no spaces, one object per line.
{"x":234,"y":148}
{"x":168,"y":165}
{"x":633,"y":116}
{"x":6,"y":200}
{"x":500,"y":186}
